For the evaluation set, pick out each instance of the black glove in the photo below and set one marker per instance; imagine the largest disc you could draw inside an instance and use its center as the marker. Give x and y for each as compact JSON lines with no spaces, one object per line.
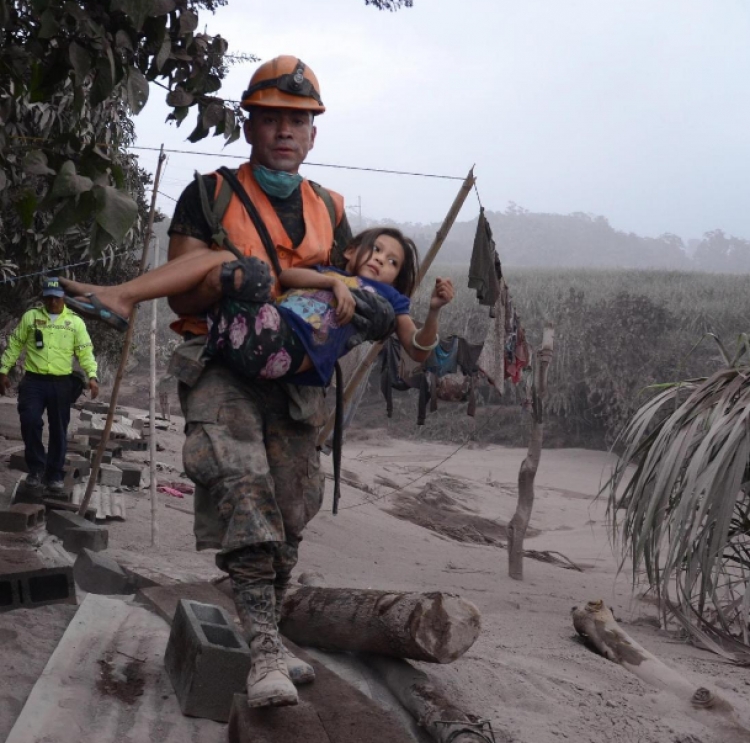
{"x":256,"y":280}
{"x":373,"y":319}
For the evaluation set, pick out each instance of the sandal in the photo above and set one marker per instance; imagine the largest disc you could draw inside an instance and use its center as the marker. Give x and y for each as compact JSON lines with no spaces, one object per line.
{"x":98,"y":311}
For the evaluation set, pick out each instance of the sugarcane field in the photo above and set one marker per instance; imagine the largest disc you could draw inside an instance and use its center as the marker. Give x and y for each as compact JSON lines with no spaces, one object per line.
{"x":374,"y":371}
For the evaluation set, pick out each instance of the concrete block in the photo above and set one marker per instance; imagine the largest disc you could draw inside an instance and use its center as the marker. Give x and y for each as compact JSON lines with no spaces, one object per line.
{"x":95,"y":406}
{"x":94,"y":538}
{"x":86,"y":415}
{"x":79,"y":465}
{"x":18,"y":462}
{"x":131,"y":475}
{"x":10,"y":597}
{"x":98,"y":573}
{"x":110,"y":475}
{"x":58,"y":521}
{"x":28,"y":589}
{"x":24,"y":493}
{"x":76,"y":448}
{"x":207,"y":660}
{"x":284,"y":725}
{"x":22,"y":517}
{"x":108,"y":452}
{"x":53,"y":504}
{"x":134,"y":445}
{"x":47,"y":586}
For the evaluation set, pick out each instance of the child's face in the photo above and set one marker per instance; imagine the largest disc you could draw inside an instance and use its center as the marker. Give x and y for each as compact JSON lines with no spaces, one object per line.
{"x":383,"y":265}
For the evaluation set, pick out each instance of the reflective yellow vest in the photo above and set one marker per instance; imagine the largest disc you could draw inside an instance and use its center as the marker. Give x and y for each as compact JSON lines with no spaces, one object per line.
{"x":62,"y":339}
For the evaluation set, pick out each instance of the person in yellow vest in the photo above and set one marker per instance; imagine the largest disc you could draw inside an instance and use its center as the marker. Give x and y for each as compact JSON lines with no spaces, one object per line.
{"x":51,"y":335}
{"x":251,"y":445}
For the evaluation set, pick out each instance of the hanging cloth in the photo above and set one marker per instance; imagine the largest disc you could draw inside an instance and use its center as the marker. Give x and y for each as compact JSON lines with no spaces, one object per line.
{"x":482,"y":269}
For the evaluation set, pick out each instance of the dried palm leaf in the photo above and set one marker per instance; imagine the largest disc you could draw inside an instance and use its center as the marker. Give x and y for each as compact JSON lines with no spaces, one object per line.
{"x":679,"y":501}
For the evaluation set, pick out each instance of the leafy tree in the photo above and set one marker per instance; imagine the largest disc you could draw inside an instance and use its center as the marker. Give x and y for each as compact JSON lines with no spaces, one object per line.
{"x":718,"y":251}
{"x":71,"y":73}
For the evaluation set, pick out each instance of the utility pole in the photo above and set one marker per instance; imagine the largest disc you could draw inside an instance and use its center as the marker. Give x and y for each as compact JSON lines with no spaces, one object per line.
{"x":358,"y":209}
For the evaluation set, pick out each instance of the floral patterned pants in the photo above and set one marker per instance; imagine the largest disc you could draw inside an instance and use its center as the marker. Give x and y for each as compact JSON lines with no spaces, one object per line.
{"x":254,"y":340}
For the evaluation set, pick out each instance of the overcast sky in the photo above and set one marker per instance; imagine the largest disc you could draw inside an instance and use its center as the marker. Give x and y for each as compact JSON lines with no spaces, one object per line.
{"x":637,"y":110}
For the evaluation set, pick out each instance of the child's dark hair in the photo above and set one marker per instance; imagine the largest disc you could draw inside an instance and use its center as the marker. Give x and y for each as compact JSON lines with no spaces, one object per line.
{"x":364,"y":243}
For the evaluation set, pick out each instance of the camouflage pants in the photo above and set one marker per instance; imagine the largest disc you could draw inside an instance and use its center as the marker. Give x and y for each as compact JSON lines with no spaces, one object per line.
{"x":257,"y":472}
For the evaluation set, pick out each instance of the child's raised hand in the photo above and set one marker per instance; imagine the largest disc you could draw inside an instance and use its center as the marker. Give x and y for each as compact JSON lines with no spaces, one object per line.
{"x":442,"y":294}
{"x":344,"y":302}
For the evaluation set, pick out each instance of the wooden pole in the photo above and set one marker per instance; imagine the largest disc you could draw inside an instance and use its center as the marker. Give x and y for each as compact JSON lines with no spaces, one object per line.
{"x":152,"y":410}
{"x":437,"y":243}
{"x":520,"y":521}
{"x":127,"y":343}
{"x":433,"y":627}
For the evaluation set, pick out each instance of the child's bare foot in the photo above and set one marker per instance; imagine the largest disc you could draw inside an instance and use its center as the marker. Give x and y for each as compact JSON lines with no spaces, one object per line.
{"x":109,"y":296}
{"x":78,"y":288}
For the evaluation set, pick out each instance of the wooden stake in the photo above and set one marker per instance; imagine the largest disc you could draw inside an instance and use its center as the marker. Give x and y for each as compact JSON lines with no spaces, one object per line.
{"x":437,"y":243}
{"x":127,"y":343}
{"x":152,"y":410}
{"x":520,"y":521}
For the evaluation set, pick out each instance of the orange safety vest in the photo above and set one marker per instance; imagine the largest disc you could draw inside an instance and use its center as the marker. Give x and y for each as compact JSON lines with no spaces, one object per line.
{"x":314,"y":249}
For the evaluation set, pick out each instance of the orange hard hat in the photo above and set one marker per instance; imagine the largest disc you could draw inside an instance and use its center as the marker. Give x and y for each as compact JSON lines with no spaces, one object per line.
{"x":284,"y":82}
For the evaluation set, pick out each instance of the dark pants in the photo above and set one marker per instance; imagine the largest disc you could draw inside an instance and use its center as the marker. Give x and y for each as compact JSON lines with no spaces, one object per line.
{"x":37,"y":393}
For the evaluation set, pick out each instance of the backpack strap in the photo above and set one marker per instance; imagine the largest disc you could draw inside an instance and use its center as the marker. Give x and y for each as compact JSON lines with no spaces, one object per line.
{"x":265,"y":237}
{"x":327,"y":200}
{"x":214,"y":213}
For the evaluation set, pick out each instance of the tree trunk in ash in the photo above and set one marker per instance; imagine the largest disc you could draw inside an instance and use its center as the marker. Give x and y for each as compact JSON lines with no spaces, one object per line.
{"x":520,"y":521}
{"x":596,"y":623}
{"x":438,"y":716}
{"x":432,"y":627}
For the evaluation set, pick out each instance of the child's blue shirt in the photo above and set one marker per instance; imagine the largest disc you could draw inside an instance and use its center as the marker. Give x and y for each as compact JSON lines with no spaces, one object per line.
{"x":311,"y":313}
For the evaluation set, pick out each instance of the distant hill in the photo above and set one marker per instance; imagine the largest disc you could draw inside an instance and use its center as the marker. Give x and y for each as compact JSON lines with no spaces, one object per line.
{"x":539,"y":240}
{"x":578,"y":240}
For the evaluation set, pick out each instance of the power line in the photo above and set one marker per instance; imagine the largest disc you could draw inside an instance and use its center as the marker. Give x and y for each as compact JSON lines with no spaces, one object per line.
{"x":51,"y":271}
{"x":319,"y":165}
{"x":244,"y":157}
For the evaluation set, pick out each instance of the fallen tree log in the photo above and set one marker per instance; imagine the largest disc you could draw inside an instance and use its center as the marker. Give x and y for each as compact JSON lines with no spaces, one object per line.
{"x":432,"y":627}
{"x":439,"y":717}
{"x":596,"y":623}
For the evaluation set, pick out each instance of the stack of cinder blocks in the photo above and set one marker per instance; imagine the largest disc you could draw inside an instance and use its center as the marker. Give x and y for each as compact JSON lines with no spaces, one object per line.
{"x":207,"y":660}
{"x":117,"y":443}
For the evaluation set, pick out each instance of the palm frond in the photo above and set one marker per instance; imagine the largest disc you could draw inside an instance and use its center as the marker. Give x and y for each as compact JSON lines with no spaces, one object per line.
{"x":678,"y":498}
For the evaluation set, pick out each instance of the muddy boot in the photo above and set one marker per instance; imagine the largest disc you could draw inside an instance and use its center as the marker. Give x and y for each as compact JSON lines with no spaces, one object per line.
{"x":268,"y":683}
{"x":300,"y":672}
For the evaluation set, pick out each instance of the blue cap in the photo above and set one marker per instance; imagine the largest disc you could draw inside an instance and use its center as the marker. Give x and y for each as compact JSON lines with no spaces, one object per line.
{"x":51,"y":287}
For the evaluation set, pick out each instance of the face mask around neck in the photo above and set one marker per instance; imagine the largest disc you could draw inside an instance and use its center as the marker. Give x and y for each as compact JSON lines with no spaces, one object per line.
{"x":276,"y":182}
